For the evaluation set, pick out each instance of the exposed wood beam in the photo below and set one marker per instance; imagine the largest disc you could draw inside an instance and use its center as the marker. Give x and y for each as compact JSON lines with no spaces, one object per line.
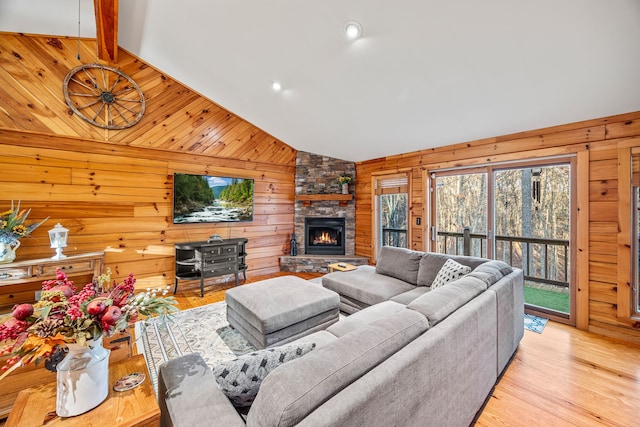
{"x":107,"y":29}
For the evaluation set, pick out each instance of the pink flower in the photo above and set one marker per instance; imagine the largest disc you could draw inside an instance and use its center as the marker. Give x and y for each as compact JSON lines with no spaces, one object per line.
{"x":10,"y":329}
{"x":75,"y":313}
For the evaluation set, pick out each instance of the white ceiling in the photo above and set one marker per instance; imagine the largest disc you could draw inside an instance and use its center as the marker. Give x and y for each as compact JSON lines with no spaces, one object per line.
{"x":426,"y":73}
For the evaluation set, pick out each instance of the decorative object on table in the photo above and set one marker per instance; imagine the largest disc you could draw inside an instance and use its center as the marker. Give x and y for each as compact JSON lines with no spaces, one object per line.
{"x":82,"y":379}
{"x":294,"y":245}
{"x":12,"y":229}
{"x":58,"y":237}
{"x":130,"y":381}
{"x":69,"y":321}
{"x":344,"y":181}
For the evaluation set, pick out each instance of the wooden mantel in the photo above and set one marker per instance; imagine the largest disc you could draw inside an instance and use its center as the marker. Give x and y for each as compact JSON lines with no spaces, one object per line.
{"x":307,"y":199}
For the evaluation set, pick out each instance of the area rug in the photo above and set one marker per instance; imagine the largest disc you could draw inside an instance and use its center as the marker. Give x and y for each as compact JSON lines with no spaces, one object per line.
{"x":534,"y":323}
{"x":203,"y":330}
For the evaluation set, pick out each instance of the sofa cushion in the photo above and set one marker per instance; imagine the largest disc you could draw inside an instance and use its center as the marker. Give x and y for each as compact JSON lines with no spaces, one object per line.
{"x":365,"y":285}
{"x":401,"y":263}
{"x":492,"y":271}
{"x":290,"y":393}
{"x":240,"y":378}
{"x":439,"y":303}
{"x":432,"y":262}
{"x":406,"y":297}
{"x":364,"y":317}
{"x":449,"y":272}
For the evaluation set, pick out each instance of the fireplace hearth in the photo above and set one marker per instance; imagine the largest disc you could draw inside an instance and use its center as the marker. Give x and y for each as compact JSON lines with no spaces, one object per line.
{"x":324,"y":236}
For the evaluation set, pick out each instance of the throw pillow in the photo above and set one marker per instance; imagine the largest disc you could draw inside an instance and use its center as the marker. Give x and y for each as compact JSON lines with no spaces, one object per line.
{"x":240,"y":378}
{"x":449,"y":272}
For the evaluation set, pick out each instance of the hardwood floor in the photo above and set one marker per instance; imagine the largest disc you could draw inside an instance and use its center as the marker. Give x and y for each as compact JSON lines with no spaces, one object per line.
{"x":562,"y":377}
{"x":566,"y":377}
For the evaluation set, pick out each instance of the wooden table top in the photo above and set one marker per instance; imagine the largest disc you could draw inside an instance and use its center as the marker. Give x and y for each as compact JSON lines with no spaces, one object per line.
{"x":36,"y":406}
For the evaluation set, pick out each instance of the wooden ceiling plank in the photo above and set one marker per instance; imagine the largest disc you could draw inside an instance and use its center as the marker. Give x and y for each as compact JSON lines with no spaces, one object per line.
{"x":107,"y":29}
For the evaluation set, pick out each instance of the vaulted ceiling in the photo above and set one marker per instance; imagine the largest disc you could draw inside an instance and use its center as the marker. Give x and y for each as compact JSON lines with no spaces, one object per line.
{"x":425,"y":73}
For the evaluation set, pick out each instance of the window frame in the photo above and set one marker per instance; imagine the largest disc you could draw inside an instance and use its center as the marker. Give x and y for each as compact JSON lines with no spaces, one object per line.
{"x":376,"y":191}
{"x":628,"y":295}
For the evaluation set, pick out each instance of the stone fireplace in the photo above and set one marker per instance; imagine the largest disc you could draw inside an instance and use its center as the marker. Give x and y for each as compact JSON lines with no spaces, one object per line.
{"x":318,"y":197}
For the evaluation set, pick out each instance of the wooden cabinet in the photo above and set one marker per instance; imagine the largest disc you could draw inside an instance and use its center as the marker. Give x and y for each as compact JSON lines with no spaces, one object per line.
{"x":202,"y":260}
{"x":19,"y":281}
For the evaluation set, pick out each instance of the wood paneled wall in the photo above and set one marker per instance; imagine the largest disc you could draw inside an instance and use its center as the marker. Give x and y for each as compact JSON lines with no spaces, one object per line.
{"x":113,"y":189}
{"x":595,"y":144}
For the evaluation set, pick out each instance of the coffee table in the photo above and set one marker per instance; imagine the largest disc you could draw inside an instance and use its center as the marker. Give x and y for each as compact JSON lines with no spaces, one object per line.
{"x":341,"y":266}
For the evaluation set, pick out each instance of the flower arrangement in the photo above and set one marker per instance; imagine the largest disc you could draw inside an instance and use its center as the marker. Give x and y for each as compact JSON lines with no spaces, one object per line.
{"x":12,"y":224}
{"x":64,"y":315}
{"x":345,"y":179}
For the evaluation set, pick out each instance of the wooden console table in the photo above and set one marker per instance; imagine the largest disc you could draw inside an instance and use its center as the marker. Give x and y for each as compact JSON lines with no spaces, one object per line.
{"x":19,"y":281}
{"x":36,"y":406}
{"x":201,"y":260}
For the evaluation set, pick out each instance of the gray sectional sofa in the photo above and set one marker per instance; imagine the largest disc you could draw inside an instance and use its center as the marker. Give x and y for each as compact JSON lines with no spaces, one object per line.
{"x":408,"y":355}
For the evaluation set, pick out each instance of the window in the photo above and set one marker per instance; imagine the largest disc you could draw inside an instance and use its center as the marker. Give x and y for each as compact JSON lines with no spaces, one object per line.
{"x":517,"y":212}
{"x":391,"y":211}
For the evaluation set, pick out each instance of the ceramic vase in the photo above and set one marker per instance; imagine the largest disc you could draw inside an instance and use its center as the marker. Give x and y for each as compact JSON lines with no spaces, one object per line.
{"x":345,"y":188}
{"x":82,"y":378}
{"x":8,"y":251}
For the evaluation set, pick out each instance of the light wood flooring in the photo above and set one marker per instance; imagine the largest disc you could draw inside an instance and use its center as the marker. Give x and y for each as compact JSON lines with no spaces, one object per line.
{"x":562,"y":377}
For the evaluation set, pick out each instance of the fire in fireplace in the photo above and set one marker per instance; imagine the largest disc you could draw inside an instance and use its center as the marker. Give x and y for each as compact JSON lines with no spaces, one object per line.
{"x":324,"y":236}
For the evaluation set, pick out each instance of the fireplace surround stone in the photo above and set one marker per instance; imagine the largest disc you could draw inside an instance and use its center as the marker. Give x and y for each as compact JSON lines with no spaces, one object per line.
{"x":318,"y":175}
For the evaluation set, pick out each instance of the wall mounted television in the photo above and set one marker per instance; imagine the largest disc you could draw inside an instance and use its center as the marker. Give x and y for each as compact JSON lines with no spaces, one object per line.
{"x":209,"y":199}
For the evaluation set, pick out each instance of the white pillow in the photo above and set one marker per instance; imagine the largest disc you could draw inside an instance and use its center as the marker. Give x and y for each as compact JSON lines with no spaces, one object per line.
{"x":449,"y":272}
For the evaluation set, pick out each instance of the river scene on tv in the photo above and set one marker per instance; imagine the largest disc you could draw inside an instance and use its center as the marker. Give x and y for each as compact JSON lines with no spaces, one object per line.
{"x":200,"y":198}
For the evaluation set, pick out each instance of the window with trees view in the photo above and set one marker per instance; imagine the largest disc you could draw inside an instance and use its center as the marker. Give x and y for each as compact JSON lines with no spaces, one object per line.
{"x":518,"y":214}
{"x":392,"y":210}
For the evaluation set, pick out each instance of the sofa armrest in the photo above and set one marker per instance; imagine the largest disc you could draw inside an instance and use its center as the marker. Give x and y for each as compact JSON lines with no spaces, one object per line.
{"x":189,"y":396}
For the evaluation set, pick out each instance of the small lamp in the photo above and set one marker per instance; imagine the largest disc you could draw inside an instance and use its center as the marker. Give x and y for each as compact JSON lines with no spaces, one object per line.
{"x":58,"y":237}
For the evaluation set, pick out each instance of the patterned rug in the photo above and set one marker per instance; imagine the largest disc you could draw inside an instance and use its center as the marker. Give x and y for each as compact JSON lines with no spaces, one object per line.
{"x":201,"y":330}
{"x":534,"y":323}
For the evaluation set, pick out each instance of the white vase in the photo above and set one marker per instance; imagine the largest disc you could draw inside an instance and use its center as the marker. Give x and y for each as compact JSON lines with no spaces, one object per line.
{"x":8,"y":251}
{"x":82,"y":378}
{"x":345,"y":188}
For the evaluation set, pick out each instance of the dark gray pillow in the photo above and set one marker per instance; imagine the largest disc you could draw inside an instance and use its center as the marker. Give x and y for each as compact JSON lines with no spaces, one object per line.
{"x":240,"y":378}
{"x":399,"y":263}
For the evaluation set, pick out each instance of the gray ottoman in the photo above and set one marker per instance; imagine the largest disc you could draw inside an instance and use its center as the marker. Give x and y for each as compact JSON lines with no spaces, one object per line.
{"x":279,"y":310}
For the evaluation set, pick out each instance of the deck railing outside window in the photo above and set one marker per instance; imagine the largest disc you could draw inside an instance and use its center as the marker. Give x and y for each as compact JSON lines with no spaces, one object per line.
{"x":542,"y":260}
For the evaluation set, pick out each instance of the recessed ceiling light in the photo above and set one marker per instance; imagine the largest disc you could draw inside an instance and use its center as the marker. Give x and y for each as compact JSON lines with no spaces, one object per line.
{"x":276,"y":85}
{"x":353,"y":29}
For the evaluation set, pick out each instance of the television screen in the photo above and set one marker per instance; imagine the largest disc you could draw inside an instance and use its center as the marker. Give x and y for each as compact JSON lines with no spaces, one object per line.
{"x":203,"y":198}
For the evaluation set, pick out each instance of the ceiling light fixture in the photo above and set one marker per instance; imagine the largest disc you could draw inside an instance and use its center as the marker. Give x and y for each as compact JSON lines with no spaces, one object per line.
{"x":276,"y":85}
{"x":353,"y":30}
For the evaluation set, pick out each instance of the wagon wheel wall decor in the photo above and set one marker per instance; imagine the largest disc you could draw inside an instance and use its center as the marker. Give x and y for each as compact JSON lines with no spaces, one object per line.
{"x":103,"y":96}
